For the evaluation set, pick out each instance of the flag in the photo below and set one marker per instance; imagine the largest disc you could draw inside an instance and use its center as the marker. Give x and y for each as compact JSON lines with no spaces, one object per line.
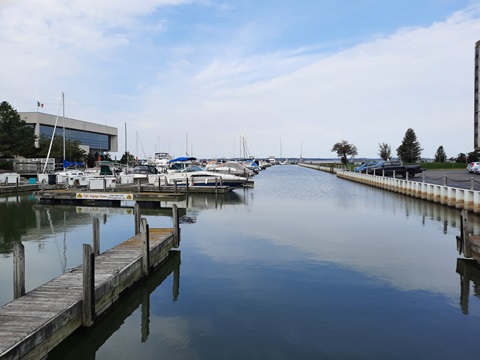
{"x":39,"y":104}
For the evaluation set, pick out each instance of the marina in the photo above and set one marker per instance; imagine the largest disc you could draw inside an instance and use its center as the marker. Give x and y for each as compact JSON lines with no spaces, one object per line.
{"x":266,"y":270}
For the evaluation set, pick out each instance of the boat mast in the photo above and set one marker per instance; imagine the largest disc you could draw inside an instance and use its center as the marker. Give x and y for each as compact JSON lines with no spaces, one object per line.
{"x":51,"y":140}
{"x":63,"y":104}
{"x":126,"y":148}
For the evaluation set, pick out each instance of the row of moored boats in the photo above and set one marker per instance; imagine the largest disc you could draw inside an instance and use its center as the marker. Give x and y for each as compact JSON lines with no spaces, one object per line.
{"x":162,"y":171}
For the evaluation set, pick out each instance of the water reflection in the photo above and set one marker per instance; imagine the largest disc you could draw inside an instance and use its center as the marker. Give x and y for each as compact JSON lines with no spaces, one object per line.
{"x":469,"y":271}
{"x":196,"y":203}
{"x":85,"y":343}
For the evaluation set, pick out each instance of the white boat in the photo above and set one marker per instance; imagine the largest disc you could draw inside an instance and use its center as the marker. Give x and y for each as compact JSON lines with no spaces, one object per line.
{"x":195,"y":175}
{"x":233,"y":168}
{"x":181,"y":163}
{"x":162,"y":161}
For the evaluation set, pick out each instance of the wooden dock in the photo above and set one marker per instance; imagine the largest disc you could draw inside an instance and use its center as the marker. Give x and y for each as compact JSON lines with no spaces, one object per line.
{"x":35,"y":322}
{"x":109,"y":198}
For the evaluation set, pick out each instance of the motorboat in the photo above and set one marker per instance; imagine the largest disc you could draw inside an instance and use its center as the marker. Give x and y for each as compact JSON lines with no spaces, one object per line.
{"x":233,"y":168}
{"x":180,"y":163}
{"x":196,"y":175}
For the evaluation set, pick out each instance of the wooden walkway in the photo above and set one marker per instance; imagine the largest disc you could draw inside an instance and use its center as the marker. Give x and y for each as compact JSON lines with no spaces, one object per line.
{"x":32,"y":325}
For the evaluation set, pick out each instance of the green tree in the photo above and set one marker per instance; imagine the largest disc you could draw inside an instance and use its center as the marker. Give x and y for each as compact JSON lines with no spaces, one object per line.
{"x":106,"y":157}
{"x":344,"y":149}
{"x":461,"y":158}
{"x":16,"y":138}
{"x":409,"y":151}
{"x":384,"y":151}
{"x":472,"y":157}
{"x":131,"y":158}
{"x":440,"y":155}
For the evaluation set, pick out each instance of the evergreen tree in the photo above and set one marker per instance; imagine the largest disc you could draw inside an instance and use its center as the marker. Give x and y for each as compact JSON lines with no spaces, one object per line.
{"x":409,"y":151}
{"x":16,"y":138}
{"x":440,"y":155}
{"x":385,"y":151}
{"x":344,"y":149}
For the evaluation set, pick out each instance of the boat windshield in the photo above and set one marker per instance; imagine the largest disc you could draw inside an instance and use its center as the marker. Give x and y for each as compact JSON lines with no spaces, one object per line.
{"x":192,"y":168}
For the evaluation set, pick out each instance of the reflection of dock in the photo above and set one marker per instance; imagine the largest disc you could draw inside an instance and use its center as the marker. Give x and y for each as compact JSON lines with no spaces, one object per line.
{"x":467,"y":243}
{"x":34,"y":323}
{"x":469,"y":270}
{"x":87,"y":344}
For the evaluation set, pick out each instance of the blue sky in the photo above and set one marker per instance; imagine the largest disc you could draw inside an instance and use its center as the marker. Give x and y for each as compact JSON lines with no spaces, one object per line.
{"x":287,"y":76}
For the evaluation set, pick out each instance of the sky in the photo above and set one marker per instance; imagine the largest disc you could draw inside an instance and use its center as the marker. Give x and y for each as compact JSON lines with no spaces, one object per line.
{"x":224,"y":78}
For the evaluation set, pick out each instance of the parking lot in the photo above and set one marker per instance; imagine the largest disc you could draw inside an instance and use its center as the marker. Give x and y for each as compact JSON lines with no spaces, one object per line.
{"x":453,"y":178}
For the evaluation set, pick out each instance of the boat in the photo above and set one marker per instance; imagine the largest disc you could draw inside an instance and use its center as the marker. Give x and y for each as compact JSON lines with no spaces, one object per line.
{"x":195,"y":175}
{"x":162,"y":161}
{"x":232,"y":167}
{"x":180,"y":163}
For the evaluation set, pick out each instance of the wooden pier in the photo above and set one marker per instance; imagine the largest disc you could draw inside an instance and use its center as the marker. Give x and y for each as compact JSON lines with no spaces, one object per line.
{"x":113,"y":198}
{"x":34,"y":323}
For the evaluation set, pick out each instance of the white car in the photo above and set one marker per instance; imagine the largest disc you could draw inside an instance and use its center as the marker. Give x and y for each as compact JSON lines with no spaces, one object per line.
{"x":473,"y":167}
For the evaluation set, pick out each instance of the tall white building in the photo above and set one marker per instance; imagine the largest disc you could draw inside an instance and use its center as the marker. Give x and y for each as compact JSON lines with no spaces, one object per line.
{"x":476,"y":140}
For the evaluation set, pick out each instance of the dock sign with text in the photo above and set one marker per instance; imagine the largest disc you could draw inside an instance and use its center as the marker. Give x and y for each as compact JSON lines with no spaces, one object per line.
{"x":104,"y":196}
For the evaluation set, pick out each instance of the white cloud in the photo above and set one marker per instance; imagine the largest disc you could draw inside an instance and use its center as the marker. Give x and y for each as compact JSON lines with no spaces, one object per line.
{"x":118,"y":62}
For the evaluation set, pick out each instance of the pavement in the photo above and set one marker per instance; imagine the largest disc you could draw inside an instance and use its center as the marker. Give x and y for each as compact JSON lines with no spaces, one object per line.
{"x":454,"y":178}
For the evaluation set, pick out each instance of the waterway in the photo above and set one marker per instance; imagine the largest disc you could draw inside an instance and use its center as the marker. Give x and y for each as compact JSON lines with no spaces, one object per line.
{"x":303,"y":266}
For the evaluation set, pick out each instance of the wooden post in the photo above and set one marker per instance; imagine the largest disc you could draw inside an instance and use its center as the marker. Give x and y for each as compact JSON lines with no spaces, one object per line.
{"x":176,"y":226}
{"x":96,"y":236}
{"x":139,"y":186}
{"x":17,"y":184}
{"x":216,"y":186}
{"x":136,"y":215}
{"x":88,"y":313}
{"x":175,"y":185}
{"x":467,"y":251}
{"x":144,"y":231}
{"x":18,"y":269}
{"x":159,"y":183}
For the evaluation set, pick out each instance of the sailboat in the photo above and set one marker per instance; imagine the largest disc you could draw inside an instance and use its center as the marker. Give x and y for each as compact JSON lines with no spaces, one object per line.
{"x":69,"y":177}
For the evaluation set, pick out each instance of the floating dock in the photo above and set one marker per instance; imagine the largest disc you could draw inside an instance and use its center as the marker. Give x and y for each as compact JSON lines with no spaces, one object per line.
{"x":108,"y":198}
{"x":35,"y":322}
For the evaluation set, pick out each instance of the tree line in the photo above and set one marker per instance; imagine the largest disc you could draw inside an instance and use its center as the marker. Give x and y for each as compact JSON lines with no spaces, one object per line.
{"x":409,"y":151}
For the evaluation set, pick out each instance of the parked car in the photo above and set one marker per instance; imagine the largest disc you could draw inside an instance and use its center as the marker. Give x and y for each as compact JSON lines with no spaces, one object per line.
{"x":389,"y":167}
{"x":362,"y":167}
{"x":473,"y":167}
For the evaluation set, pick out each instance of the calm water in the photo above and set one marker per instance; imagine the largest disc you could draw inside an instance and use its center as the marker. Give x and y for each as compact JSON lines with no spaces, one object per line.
{"x":303,"y":266}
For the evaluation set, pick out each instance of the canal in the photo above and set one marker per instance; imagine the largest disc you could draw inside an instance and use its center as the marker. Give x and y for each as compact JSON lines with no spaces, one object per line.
{"x":303,"y":266}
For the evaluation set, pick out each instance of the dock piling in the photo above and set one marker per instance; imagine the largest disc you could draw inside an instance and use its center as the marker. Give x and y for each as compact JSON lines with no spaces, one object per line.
{"x":88,"y":304}
{"x":19,"y":269}
{"x":145,"y":246}
{"x":96,"y":236}
{"x":176,"y":226}
{"x":136,"y":215}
